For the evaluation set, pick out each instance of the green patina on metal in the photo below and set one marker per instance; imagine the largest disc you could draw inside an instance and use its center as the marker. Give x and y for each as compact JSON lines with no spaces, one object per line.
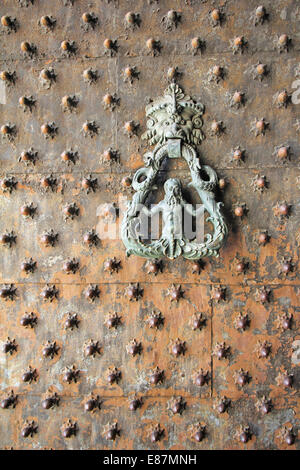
{"x":174,"y":127}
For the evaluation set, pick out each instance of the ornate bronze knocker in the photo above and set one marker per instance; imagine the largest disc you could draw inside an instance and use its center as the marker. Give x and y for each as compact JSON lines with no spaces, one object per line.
{"x":174,"y":127}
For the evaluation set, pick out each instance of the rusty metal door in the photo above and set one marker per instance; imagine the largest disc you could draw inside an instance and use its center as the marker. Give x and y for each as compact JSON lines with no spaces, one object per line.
{"x":100,"y":351}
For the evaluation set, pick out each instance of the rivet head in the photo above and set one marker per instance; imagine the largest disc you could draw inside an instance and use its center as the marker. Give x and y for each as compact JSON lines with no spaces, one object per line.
{"x":239,"y":211}
{"x":151,"y":43}
{"x":283,"y":152}
{"x":92,"y":403}
{"x":217,"y":70}
{"x":10,"y":401}
{"x":201,"y":378}
{"x":135,"y":403}
{"x":69,"y":429}
{"x":28,"y":320}
{"x":113,"y":320}
{"x":215,"y":14}
{"x":111,"y":431}
{"x":51,"y":400}
{"x":29,"y":429}
{"x":113,"y":375}
{"x":8,"y":238}
{"x":241,"y":377}
{"x":221,"y":350}
{"x":156,"y":376}
{"x":90,"y":238}
{"x":92,"y":292}
{"x":28,"y":266}
{"x":25,"y":46}
{"x":71,"y":321}
{"x":283,"y":39}
{"x":134,"y":292}
{"x":92,"y":348}
{"x":156,"y":433}
{"x":49,"y":293}
{"x":9,"y":346}
{"x":71,"y":266}
{"x":178,"y":347}
{"x":6,"y":76}
{"x":195,"y":43}
{"x":29,"y":375}
{"x":134,"y":347}
{"x":70,"y":211}
{"x":50,"y":349}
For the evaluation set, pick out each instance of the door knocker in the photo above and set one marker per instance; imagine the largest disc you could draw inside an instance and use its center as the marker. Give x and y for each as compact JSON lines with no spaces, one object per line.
{"x":174,"y":127}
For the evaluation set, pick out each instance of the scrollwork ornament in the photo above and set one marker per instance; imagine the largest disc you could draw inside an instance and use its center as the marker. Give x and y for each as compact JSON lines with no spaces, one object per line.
{"x":174,"y":126}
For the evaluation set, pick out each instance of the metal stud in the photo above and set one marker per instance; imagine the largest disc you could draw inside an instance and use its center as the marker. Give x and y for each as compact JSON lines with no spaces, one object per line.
{"x":69,"y":429}
{"x":263,"y":349}
{"x":243,"y":434}
{"x":113,"y":320}
{"x":29,"y":157}
{"x":259,"y":16}
{"x":91,"y":348}
{"x":131,"y":128}
{"x":112,"y":265}
{"x":198,"y":432}
{"x":48,"y":183}
{"x":134,"y":347}
{"x":285,"y":379}
{"x":8,"y":131}
{"x":177,"y":405}
{"x":221,"y":350}
{"x":111,"y":431}
{"x":71,"y":374}
{"x":130,"y":74}
{"x":175,"y":292}
{"x":71,"y":211}
{"x":27,"y":103}
{"x":49,"y":293}
{"x":72,"y":321}
{"x":156,"y":376}
{"x":8,"y":184}
{"x":153,"y":47}
{"x":264,"y":405}
{"x":241,"y":377}
{"x":10,"y":24}
{"x":90,"y":129}
{"x":287,"y":435}
{"x":201,"y":377}
{"x":8,"y":292}
{"x":29,"y":428}
{"x":219,"y":293}
{"x":217,"y":128}
{"x":93,"y":403}
{"x":28,"y":266}
{"x":262,"y":295}
{"x":47,"y":23}
{"x":284,"y":321}
{"x":282,"y":43}
{"x":241,"y":322}
{"x":156,"y":433}
{"x":69,"y":156}
{"x":89,"y":21}
{"x":135,"y":403}
{"x":155,"y":319}
{"x":134,"y":292}
{"x":171,"y":20}
{"x":28,"y":320}
{"x":69,"y":103}
{"x":132,"y":20}
{"x":51,"y":400}
{"x":178,"y":347}
{"x":153,"y":267}
{"x":9,"y":401}
{"x":222,"y":404}
{"x":9,"y":78}
{"x":49,"y":130}
{"x":47,"y":77}
{"x":9,"y":346}
{"x":92,"y":292}
{"x":68,"y":48}
{"x":110,"y":47}
{"x":91,"y":238}
{"x":238,"y":45}
{"x":28,"y":49}
{"x":49,"y":238}
{"x":90,"y":75}
{"x":196,"y":46}
{"x":113,"y":375}
{"x":29,"y":375}
{"x":50,"y":349}
{"x":110,"y":101}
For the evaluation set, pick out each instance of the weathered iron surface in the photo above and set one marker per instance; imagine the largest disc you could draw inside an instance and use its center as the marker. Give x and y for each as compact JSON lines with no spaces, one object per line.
{"x":73,"y":307}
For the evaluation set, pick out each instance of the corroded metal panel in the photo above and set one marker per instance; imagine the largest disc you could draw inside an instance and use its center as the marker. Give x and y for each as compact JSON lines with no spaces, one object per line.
{"x":216,"y":364}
